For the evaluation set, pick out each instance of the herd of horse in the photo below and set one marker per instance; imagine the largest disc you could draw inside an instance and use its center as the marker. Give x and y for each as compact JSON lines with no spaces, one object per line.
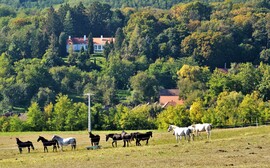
{"x":190,"y":131}
{"x":58,"y":142}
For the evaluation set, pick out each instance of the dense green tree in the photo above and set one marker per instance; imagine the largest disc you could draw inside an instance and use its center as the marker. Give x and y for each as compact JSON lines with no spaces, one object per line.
{"x":69,"y":24}
{"x":66,"y":77}
{"x":106,"y":89}
{"x":44,"y":96}
{"x":62,"y":44}
{"x":35,"y":118}
{"x":220,"y":81}
{"x":227,"y":109}
{"x":192,"y":82}
{"x":247,"y":77}
{"x":52,"y":57}
{"x":264,"y":85}
{"x":90,"y":45}
{"x":121,"y":70}
{"x":81,"y":22}
{"x":98,"y":14}
{"x":16,"y":124}
{"x":145,"y":86}
{"x":39,"y":43}
{"x":52,"y":24}
{"x":138,"y":118}
{"x":48,"y":116}
{"x":249,"y":110}
{"x":62,"y":111}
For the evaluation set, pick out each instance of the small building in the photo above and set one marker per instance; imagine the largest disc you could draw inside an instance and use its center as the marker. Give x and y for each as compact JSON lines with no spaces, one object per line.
{"x":82,"y":42}
{"x":169,"y":97}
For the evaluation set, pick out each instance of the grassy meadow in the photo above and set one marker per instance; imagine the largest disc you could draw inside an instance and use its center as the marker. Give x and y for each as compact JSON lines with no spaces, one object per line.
{"x":238,"y":147}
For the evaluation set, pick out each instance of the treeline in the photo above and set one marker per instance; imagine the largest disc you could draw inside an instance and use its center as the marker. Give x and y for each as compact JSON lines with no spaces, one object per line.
{"x":153,"y":49}
{"x":161,"y":4}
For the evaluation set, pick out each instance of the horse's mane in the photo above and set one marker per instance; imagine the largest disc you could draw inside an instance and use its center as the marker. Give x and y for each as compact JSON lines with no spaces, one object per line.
{"x":173,"y":126}
{"x":56,"y":136}
{"x":18,"y":140}
{"x":42,"y":138}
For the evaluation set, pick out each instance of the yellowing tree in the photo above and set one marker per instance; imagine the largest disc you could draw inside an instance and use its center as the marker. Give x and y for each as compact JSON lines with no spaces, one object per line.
{"x":196,"y":111}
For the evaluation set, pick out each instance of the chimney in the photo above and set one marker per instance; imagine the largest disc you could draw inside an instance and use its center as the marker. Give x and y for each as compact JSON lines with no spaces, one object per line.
{"x":69,"y":37}
{"x":84,"y":38}
{"x":101,"y":36}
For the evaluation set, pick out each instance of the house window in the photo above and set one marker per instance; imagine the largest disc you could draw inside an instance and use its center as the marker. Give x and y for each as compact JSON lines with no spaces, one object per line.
{"x":99,"y":47}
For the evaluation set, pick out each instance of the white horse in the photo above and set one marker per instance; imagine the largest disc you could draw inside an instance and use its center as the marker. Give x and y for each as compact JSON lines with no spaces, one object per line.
{"x":65,"y":141}
{"x":180,"y":131}
{"x":197,"y":128}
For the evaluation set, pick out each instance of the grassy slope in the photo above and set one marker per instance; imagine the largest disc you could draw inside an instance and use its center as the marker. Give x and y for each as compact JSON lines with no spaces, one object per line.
{"x":241,"y":147}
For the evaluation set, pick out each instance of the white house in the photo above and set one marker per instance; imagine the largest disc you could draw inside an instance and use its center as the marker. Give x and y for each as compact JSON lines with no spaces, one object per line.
{"x":78,"y":43}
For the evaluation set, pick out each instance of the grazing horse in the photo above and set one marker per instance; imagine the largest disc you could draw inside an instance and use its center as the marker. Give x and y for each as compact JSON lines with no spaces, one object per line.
{"x":65,"y":141}
{"x":48,"y":143}
{"x":27,"y":144}
{"x":180,"y":131}
{"x":94,"y":139}
{"x":197,"y":128}
{"x":115,"y":138}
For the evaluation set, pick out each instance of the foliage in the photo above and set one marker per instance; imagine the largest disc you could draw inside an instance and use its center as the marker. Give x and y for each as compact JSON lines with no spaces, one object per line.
{"x":177,"y":115}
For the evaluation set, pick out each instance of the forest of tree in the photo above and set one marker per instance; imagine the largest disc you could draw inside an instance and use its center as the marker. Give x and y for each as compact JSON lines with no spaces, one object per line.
{"x":158,"y":44}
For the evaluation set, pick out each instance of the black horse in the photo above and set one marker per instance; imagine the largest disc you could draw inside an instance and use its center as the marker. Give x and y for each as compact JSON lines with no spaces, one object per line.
{"x":48,"y":143}
{"x":115,"y":138}
{"x":26,"y":144}
{"x":142,"y":137}
{"x":94,"y":139}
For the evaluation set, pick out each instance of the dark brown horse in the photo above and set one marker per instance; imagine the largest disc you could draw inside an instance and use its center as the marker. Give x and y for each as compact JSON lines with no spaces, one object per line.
{"x":142,"y":137}
{"x":114,"y":137}
{"x":94,"y":139}
{"x":26,"y":144}
{"x":48,"y":143}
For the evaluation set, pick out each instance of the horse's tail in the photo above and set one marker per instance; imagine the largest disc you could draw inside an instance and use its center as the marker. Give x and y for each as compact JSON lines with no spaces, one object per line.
{"x":74,"y":143}
{"x":210,"y":126}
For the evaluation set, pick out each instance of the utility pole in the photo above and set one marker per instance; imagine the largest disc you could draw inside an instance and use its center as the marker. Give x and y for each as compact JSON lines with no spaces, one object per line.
{"x":89,"y":112}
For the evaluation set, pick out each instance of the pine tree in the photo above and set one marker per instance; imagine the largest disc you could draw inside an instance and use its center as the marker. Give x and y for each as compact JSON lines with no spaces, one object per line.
{"x":119,"y":38}
{"x":69,"y":24}
{"x":90,"y":47}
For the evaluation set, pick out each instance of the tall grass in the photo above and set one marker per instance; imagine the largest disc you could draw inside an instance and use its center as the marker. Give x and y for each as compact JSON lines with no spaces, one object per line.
{"x":240,"y":147}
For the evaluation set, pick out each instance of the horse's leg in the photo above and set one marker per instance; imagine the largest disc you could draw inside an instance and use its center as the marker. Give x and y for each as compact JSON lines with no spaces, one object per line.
{"x":208,"y":134}
{"x":124,"y":143}
{"x":20,"y":149}
{"x":28,"y":149}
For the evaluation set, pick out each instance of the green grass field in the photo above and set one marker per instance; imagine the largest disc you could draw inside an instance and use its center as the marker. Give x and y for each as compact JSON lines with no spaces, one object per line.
{"x":238,"y":147}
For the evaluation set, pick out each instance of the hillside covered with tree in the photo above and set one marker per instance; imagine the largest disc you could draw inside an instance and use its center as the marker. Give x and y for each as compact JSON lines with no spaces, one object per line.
{"x":180,"y":44}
